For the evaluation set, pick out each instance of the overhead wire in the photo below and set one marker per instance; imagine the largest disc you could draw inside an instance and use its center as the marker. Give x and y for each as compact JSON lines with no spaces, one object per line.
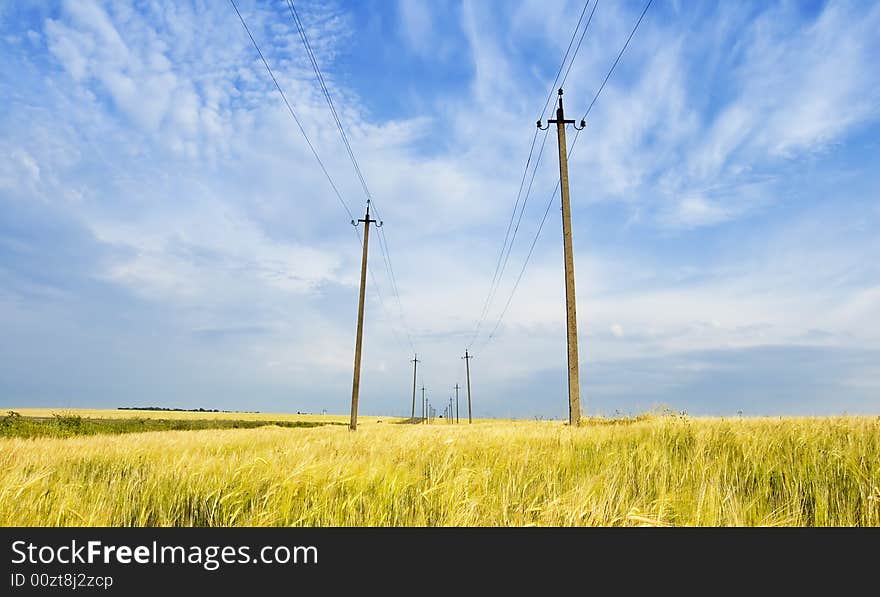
{"x":583,"y":34}
{"x":577,"y":27}
{"x":504,"y":254}
{"x":329,"y":178}
{"x":522,"y":270}
{"x":381,"y":235}
{"x":293,"y":113}
{"x":616,"y":60}
{"x":556,"y":189}
{"x":520,"y":217}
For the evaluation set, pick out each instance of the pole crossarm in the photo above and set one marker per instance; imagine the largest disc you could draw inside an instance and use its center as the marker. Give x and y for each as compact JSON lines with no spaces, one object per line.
{"x":367,"y":219}
{"x":560,"y":118}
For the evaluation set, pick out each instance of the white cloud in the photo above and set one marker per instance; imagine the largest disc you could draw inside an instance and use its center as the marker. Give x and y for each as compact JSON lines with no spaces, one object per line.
{"x":19,"y":169}
{"x":689,"y":155}
{"x":188,"y":166}
{"x":415,"y":19}
{"x":690,"y":212}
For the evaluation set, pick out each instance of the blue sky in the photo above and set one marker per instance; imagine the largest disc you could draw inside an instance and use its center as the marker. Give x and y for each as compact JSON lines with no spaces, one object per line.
{"x":167,"y":238}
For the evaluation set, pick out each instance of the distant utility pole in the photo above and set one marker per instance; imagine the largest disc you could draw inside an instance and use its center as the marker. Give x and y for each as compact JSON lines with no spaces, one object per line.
{"x":467,"y":365}
{"x":356,"y":383}
{"x":415,"y":363}
{"x":456,"y":403}
{"x":424,"y":405}
{"x":574,"y":396}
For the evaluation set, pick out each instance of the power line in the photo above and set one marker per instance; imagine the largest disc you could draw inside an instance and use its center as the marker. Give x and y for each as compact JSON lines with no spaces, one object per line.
{"x":556,"y":82}
{"x":292,"y":113}
{"x":616,"y":60}
{"x":381,"y":299}
{"x":290,"y":109}
{"x":568,"y":70}
{"x":504,"y":254}
{"x":553,"y":195}
{"x":319,"y":75}
{"x":491,"y":292}
{"x":501,"y":263}
{"x":521,"y":212}
{"x":383,"y":240}
{"x":567,"y":50}
{"x":523,"y":269}
{"x":610,"y":71}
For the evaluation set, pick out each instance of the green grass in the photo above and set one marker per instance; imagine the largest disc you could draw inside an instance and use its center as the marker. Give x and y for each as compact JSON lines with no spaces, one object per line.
{"x":67,"y":425}
{"x":655,"y":470}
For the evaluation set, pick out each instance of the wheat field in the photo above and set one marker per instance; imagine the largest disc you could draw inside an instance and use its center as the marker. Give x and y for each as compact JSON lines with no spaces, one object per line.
{"x":189,"y":414}
{"x":656,"y":470}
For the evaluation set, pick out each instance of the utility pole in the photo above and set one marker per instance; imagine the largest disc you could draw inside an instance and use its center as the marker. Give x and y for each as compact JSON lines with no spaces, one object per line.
{"x":456,"y":403}
{"x":424,"y":405}
{"x":467,"y":365}
{"x":574,"y":396}
{"x":356,"y":383}
{"x":415,"y":363}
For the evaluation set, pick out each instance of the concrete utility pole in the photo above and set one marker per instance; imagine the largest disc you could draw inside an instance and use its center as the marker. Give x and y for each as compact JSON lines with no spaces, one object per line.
{"x":424,"y":405}
{"x":574,"y":396}
{"x":456,"y":403}
{"x":467,"y":365}
{"x":356,"y":383}
{"x":415,"y":363}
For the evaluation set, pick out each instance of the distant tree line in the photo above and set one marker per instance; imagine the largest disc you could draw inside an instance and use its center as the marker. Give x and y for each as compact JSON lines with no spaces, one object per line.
{"x":194,"y":410}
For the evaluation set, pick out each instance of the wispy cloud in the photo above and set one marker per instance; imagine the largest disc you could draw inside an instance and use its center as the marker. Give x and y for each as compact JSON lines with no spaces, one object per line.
{"x":160,"y":207}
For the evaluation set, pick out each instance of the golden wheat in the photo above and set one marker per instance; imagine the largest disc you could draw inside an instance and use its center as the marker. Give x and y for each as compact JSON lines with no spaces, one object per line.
{"x":657,"y":471}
